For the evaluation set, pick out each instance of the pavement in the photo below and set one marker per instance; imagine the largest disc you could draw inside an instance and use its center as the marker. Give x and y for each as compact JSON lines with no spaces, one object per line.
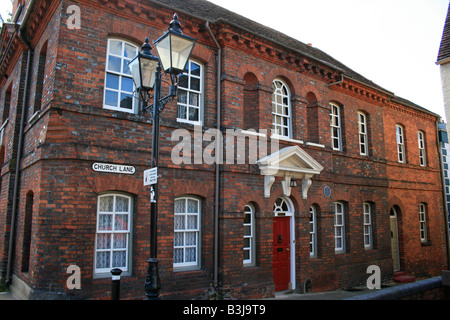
{"x":290,"y":295}
{"x":330,"y":295}
{"x":6,"y":296}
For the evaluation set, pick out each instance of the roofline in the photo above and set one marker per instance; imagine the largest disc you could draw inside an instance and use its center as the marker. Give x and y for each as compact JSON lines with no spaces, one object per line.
{"x":248,"y":31}
{"x":443,"y":61}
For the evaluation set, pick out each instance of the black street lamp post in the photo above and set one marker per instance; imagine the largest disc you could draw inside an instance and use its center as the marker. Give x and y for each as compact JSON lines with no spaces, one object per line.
{"x":174,"y":50}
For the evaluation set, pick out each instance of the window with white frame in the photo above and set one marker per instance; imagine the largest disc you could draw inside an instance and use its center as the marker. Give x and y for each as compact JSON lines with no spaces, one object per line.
{"x":367,"y":221}
{"x":112,"y":243}
{"x":186,"y":242}
{"x":190,"y":94}
{"x":335,"y":115}
{"x":422,"y":152}
{"x":339,"y":227}
{"x":423,"y":222}
{"x":249,"y":235}
{"x":362,"y":131}
{"x":119,"y":86}
{"x":312,"y":232}
{"x":400,"y":143}
{"x":281,"y":110}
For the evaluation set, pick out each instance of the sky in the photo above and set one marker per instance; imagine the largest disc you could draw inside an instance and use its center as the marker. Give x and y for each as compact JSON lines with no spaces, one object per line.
{"x":394,"y":43}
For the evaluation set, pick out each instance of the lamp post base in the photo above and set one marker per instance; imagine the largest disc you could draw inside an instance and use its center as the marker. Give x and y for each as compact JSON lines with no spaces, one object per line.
{"x":152,"y":283}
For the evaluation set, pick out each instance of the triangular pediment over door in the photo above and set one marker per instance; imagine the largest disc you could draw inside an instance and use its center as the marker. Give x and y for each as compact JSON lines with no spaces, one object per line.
{"x":289,"y":163}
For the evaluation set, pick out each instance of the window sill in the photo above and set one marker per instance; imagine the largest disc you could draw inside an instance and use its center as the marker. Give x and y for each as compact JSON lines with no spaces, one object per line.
{"x":283,"y":138}
{"x":186,"y":269}
{"x":108,"y":275}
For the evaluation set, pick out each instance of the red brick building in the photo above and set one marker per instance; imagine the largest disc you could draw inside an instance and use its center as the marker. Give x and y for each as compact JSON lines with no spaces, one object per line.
{"x":75,"y":145}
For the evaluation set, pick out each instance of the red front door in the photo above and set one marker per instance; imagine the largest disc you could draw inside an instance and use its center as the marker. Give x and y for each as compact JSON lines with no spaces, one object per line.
{"x":281,"y":253}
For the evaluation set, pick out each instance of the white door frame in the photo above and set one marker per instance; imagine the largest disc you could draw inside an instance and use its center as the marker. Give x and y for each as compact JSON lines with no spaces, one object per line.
{"x":290,"y":213}
{"x":395,"y":217}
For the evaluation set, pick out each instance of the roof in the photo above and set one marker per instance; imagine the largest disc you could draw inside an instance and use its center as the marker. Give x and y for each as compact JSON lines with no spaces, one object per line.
{"x":213,"y":13}
{"x":444,"y":49}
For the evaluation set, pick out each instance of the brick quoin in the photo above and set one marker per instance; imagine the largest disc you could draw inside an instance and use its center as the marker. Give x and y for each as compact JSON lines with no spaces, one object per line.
{"x":66,"y":130}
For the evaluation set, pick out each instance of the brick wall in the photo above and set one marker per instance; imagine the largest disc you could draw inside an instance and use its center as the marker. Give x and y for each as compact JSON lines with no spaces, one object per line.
{"x":73,"y":130}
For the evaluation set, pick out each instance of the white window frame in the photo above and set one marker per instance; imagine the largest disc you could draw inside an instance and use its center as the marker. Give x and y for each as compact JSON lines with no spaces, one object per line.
{"x":281,"y":110}
{"x":367,"y":226}
{"x":362,"y":131}
{"x":422,"y":149}
{"x":336,"y":130}
{"x":249,"y":235}
{"x":423,"y":222}
{"x":400,"y":137}
{"x":339,"y":227}
{"x":313,"y":232}
{"x":110,"y":245}
{"x":121,"y":74}
{"x":191,"y":93}
{"x":183,"y":243}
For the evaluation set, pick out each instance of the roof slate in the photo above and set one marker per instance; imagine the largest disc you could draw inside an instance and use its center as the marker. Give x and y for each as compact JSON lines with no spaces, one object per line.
{"x":444,"y":49}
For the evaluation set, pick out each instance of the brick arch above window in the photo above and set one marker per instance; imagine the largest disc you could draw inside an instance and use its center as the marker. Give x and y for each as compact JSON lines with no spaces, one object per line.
{"x":245,"y":69}
{"x":106,"y":183}
{"x":183,"y":187}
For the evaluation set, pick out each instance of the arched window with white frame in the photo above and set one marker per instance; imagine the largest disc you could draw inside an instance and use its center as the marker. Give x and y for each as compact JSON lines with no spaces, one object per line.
{"x":362,"y":132}
{"x":186,"y":242}
{"x":367,"y":226}
{"x":339,"y":227}
{"x":313,"y":231}
{"x":423,"y":222}
{"x":190,"y":94}
{"x":113,"y":236}
{"x":119,"y":86}
{"x":422,"y":151}
{"x":281,"y":110}
{"x":336,"y":129}
{"x":400,"y":136}
{"x":249,"y":235}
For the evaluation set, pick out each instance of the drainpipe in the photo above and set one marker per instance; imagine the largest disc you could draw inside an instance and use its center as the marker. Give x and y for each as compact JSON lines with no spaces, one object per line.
{"x":21,"y":135}
{"x":218,"y":157}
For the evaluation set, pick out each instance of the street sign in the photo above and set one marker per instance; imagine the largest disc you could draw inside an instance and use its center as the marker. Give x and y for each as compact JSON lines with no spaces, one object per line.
{"x":113,"y":168}
{"x":150,"y":176}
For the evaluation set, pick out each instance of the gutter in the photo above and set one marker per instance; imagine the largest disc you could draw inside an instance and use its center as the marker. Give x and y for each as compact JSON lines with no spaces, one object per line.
{"x":21,"y":136}
{"x":218,"y":157}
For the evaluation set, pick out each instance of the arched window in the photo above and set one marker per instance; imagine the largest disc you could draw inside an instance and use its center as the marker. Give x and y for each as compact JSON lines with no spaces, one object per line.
{"x":362,"y":132}
{"x":336,"y":129}
{"x":281,"y":109}
{"x":113,"y":237}
{"x":186,"y":238}
{"x":339,"y":227}
{"x":367,"y":224}
{"x":423,"y":222}
{"x":190,"y":94}
{"x":422,"y":151}
{"x":400,"y":135}
{"x":249,"y":235}
{"x":119,"y":86}
{"x":313,"y":231}
{"x":282,"y":207}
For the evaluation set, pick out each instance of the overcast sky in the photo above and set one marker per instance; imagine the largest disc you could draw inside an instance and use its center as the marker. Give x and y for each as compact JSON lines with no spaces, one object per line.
{"x":394,"y":43}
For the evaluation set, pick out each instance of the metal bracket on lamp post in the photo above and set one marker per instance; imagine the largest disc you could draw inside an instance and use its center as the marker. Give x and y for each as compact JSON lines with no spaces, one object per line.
{"x":162,"y":102}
